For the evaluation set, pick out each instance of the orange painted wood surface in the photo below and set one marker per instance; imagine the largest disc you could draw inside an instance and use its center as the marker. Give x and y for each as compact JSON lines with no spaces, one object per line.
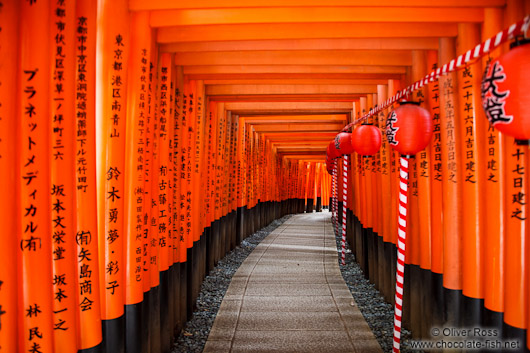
{"x":10,"y":176}
{"x":88,"y":268}
{"x":113,"y":43}
{"x":63,"y":140}
{"x":34,"y":223}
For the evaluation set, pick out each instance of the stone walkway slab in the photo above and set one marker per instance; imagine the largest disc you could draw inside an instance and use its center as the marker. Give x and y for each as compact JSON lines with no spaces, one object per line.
{"x":289,"y":296}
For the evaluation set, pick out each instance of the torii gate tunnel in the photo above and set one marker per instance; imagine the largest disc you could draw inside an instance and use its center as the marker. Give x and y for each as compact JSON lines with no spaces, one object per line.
{"x":142,"y":140}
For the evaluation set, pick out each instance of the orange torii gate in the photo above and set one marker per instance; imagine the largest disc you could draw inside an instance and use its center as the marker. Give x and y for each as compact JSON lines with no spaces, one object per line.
{"x":140,"y":141}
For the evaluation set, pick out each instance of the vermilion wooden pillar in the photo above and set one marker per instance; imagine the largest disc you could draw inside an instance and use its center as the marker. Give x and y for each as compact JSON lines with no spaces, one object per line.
{"x":33,"y":236}
{"x":88,"y":269}
{"x":516,"y":222}
{"x":113,"y":45}
{"x":495,"y":183}
{"x":452,"y":186}
{"x":472,"y":125}
{"x":63,"y":83}
{"x":436,"y":218}
{"x":10,"y":176}
{"x":135,"y":155}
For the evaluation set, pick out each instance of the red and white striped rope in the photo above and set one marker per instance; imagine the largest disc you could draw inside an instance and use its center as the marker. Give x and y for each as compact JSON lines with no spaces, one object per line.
{"x":516,"y":29}
{"x":333,"y":186}
{"x":344,"y":202}
{"x":402,"y":236}
{"x":336,"y":196}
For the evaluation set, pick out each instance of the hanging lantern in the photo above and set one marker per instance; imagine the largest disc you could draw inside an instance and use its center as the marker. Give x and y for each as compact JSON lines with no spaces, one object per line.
{"x":331,"y":151}
{"x":343,"y":143}
{"x":329,"y":165}
{"x":329,"y":168}
{"x":506,"y":92}
{"x":366,"y":140}
{"x":409,"y":128}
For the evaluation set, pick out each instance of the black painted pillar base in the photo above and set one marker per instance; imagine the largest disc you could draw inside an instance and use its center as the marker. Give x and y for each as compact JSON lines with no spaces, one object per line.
{"x":189,"y":284}
{"x":146,"y":321}
{"x":215,"y":235}
{"x":240,"y":228}
{"x":134,"y":336}
{"x":154,"y":319}
{"x":405,"y":319}
{"x":203,"y":257}
{"x":113,"y":333}
{"x":393,"y":269}
{"x":493,"y":319}
{"x":96,"y":349}
{"x":416,"y":287}
{"x":165,"y":332}
{"x":388,"y":290}
{"x":426,"y":299}
{"x":224,"y":245}
{"x":195,"y":274}
{"x":171,"y":301}
{"x":368,"y":253}
{"x":381,"y":270}
{"x":209,"y":248}
{"x":233,"y":229}
{"x":452,"y":307}
{"x":183,"y":293}
{"x":178,"y":324}
{"x":309,"y":206}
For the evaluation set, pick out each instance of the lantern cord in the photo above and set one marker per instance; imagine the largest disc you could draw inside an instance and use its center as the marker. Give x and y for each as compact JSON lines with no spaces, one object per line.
{"x":516,"y":29}
{"x":336,"y":196}
{"x":332,"y":205}
{"x":402,"y":236}
{"x":344,"y":202}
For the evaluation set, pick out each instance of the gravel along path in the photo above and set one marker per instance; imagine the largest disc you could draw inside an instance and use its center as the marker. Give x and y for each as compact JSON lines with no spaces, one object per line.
{"x":195,"y":333}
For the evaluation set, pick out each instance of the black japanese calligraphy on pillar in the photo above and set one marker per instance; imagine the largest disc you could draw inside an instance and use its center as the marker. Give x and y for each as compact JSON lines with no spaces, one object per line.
{"x":469,"y":121}
{"x":32,"y":242}
{"x":492,"y":166}
{"x":176,"y":158}
{"x":384,"y":156}
{"x":188,"y":166}
{"x":140,"y":161}
{"x":147,"y":136}
{"x":87,"y":278}
{"x":61,"y":193}
{"x":437,"y":132}
{"x":422,"y":163}
{"x":113,"y":176}
{"x":81,"y":99}
{"x":209,"y":136}
{"x":517,"y":176}
{"x":449,"y":108}
{"x":198,"y":139}
{"x":163,"y":171}
{"x":153,"y":207}
{"x":493,"y":99}
{"x":181,"y":169}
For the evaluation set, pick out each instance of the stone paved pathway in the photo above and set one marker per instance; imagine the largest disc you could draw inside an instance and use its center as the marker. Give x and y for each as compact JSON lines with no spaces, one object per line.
{"x":289,"y":296}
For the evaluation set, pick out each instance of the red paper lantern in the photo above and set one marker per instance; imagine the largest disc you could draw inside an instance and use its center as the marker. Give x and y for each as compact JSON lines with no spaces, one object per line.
{"x":366,"y":140}
{"x":332,"y":151}
{"x":329,"y":165}
{"x":506,"y":92}
{"x":343,"y":143}
{"x":409,"y":128}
